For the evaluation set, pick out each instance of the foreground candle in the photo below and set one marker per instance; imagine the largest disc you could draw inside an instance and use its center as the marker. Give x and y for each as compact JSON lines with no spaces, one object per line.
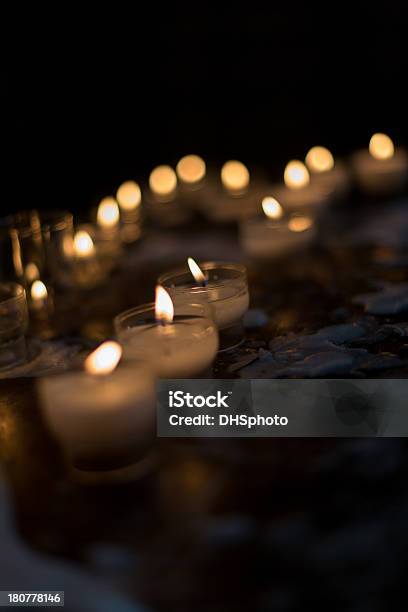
{"x":222,"y":285}
{"x":178,"y":346}
{"x":298,"y":192}
{"x":276,"y":234}
{"x":327,"y":173}
{"x":103,"y":415}
{"x":381,"y":169}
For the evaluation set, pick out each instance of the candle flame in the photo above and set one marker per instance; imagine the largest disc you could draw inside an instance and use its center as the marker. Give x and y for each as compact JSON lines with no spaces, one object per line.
{"x":319,"y":159}
{"x":163,"y":181}
{"x":32,"y":272}
{"x":299,"y":224}
{"x":129,"y":195}
{"x":104,"y":359}
{"x":108,"y":213}
{"x":296,"y":175}
{"x":272,"y":208}
{"x":381,"y":146}
{"x":38,"y":290}
{"x":196,"y":271}
{"x":235,"y":176}
{"x":83,"y":244}
{"x":191,"y":169}
{"x":164,"y":309}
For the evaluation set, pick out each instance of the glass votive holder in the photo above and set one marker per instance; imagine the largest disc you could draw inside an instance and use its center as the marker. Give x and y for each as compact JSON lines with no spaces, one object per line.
{"x":225,"y":290}
{"x":13,"y":325}
{"x":11,"y":269}
{"x":184,"y":348}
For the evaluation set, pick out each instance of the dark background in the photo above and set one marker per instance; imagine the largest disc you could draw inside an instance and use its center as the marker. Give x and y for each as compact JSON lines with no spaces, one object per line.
{"x":93,"y":100}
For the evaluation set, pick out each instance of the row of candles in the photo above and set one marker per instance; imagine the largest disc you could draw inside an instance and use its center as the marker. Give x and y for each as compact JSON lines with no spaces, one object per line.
{"x":109,"y":404}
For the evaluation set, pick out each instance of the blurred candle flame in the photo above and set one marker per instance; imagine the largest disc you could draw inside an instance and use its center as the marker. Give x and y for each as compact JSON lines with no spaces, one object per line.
{"x":163,"y":181}
{"x":164,"y":309}
{"x":319,"y":159}
{"x":83,"y":244}
{"x":104,"y":359}
{"x":381,"y":146}
{"x":196,"y":271}
{"x":32,"y":272}
{"x":129,"y":195}
{"x":299,"y":224}
{"x":191,"y":169}
{"x":38,"y":291}
{"x":296,"y":175}
{"x":235,"y":177}
{"x":108,"y":213}
{"x":272,"y":208}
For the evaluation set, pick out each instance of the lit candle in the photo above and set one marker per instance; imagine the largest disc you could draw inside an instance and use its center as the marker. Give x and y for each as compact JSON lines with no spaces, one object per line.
{"x":13,"y":325}
{"x":191,"y":171}
{"x":381,"y":168}
{"x":106,"y":235}
{"x":223,"y":286}
{"x":330,"y":175}
{"x":108,"y":215}
{"x":40,"y":301}
{"x":181,"y":345}
{"x":103,"y":415}
{"x":298,"y":192}
{"x":83,"y":245}
{"x":129,"y":198}
{"x":87,"y":268}
{"x":163,"y":202}
{"x":276,"y":234}
{"x":233,"y":195}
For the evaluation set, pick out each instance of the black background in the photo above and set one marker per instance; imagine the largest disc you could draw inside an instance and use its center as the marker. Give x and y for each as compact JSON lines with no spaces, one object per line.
{"x":95,"y":99}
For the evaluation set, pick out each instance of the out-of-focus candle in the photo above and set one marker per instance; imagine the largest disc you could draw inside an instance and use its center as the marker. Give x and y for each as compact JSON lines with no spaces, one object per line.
{"x":31,"y":272}
{"x":83,"y":245}
{"x":382,"y":169}
{"x":191,"y":171}
{"x":276,"y":234}
{"x":163,"y":183}
{"x":299,"y":192}
{"x":235,"y":177}
{"x":103,"y":415}
{"x":108,"y":214}
{"x":327,"y":173}
{"x":39,"y":295}
{"x":129,"y":196}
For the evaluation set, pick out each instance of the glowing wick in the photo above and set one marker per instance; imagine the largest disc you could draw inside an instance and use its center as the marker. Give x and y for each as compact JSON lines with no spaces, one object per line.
{"x":235,"y":177}
{"x":83,"y":245}
{"x":319,"y":159}
{"x":272,"y":208}
{"x":164,"y":309}
{"x":108,"y":213}
{"x":196,"y":271}
{"x":381,"y":146}
{"x":129,"y":196}
{"x":191,"y":169}
{"x":104,"y":359}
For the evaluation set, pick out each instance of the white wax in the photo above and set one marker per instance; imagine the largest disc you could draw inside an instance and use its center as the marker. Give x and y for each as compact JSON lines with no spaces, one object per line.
{"x":100,"y":416}
{"x":335,"y":182}
{"x":265,"y":239}
{"x":183,"y":349}
{"x":380,"y":175}
{"x":310,"y":197}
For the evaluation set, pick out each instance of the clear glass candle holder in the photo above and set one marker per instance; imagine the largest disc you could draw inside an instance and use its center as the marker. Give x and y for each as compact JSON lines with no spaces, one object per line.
{"x":184,"y":348}
{"x":13,"y":325}
{"x":226,"y":291}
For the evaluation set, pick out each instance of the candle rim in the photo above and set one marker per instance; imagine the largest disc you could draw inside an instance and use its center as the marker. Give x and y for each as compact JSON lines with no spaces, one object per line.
{"x":206,"y":266}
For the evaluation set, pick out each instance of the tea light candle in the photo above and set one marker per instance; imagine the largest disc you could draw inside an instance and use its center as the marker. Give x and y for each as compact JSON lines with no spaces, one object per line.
{"x":381,"y":169}
{"x":223,"y":286}
{"x":177,"y":346}
{"x":108,"y":216}
{"x":87,"y":270}
{"x":191,"y":171}
{"x":163,"y":202}
{"x":129,"y":198}
{"x":233,"y":195}
{"x":103,"y":415}
{"x":275,"y":234}
{"x":325,"y":172}
{"x":298,"y":192}
{"x":40,"y":302}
